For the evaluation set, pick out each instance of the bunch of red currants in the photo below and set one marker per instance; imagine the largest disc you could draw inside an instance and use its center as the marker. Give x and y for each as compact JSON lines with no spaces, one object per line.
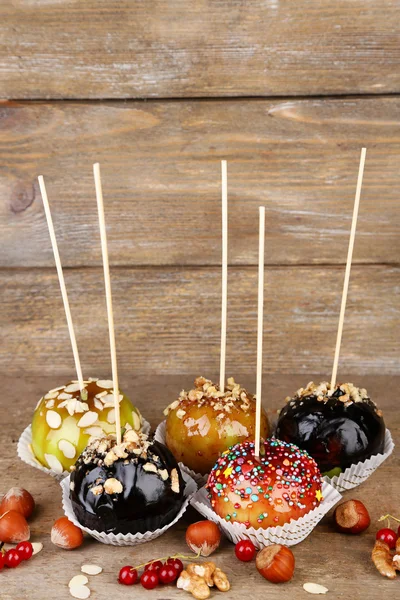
{"x":154,"y":573}
{"x":12,"y":558}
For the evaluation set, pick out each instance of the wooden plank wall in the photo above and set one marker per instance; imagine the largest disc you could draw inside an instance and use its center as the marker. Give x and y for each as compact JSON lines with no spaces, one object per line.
{"x":288,"y":92}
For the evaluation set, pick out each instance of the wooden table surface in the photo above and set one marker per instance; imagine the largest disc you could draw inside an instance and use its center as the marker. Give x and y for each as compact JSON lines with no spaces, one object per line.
{"x":288,"y":91}
{"x":341,"y":563}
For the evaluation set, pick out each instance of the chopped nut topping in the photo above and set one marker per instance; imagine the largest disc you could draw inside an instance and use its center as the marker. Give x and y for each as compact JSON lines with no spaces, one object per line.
{"x":150,"y":468}
{"x":172,"y":406}
{"x":163,"y":474}
{"x":105,"y":451}
{"x":347,"y":393}
{"x":175,"y":481}
{"x":113,"y":486}
{"x":131,"y":436}
{"x":205,"y":391}
{"x":110,"y":458}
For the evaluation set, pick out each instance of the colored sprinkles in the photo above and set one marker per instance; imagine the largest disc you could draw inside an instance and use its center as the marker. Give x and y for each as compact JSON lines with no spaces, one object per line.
{"x":285,"y":480}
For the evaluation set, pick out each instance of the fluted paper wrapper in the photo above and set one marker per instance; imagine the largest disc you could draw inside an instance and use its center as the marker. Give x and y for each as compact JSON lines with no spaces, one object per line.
{"x":359,"y":472}
{"x":129,"y":539}
{"x":25,"y":452}
{"x":160,"y":436}
{"x":290,"y":534}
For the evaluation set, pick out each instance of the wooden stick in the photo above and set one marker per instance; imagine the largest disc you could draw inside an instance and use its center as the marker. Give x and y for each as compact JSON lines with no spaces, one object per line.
{"x":110,"y":315}
{"x":224,"y":273}
{"x":348,"y":268}
{"x":62,"y":283}
{"x":260,"y":326}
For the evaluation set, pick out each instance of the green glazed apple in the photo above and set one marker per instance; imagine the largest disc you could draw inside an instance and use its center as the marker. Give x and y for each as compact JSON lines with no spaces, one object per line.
{"x":64,"y":421}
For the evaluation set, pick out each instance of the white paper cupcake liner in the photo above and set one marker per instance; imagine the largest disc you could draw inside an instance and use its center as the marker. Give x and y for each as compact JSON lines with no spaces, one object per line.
{"x":359,"y":472}
{"x":25,"y":452}
{"x":290,"y":534}
{"x":160,"y":436}
{"x":129,"y":539}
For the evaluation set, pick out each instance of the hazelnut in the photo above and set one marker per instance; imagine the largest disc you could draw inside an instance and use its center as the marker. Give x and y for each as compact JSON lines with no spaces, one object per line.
{"x":351,"y":517}
{"x":203,"y":537}
{"x":275,"y":563}
{"x":14,"y":528}
{"x":65,"y":534}
{"x":18,"y":499}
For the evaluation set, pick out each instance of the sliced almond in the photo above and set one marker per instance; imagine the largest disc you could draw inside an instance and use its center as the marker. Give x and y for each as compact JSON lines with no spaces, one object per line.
{"x":111,"y":416}
{"x":104,"y":383}
{"x":57,"y":389}
{"x":67,"y":449}
{"x":107,"y":398}
{"x":71,"y":405}
{"x":136,"y":420}
{"x":54,"y":463}
{"x":53,"y":419}
{"x":72,"y":387}
{"x":81,"y":407}
{"x":78,"y":580}
{"x":98,"y":404}
{"x":79,"y":591}
{"x":63,"y":404}
{"x":65,"y":396}
{"x":38,"y":404}
{"x":50,"y":404}
{"x":94,"y":431}
{"x":101,"y":394}
{"x":37,"y":547}
{"x":315,"y":588}
{"x":91,"y":569}
{"x":51,"y":395}
{"x":88,"y":419}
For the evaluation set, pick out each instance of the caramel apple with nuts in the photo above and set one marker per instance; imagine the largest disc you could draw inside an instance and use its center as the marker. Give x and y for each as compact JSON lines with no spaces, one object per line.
{"x":336,"y":427}
{"x":132,"y":487}
{"x":65,"y":419}
{"x":204,"y":422}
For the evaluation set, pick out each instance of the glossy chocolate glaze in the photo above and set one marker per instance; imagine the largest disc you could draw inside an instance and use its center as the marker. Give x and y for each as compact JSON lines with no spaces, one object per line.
{"x":334,"y":433}
{"x":146,"y":502}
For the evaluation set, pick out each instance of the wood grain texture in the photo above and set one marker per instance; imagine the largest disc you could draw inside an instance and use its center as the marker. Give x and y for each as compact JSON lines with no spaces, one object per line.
{"x":161,"y":178}
{"x":136,"y":49}
{"x":168,"y":320}
{"x":320,"y":558}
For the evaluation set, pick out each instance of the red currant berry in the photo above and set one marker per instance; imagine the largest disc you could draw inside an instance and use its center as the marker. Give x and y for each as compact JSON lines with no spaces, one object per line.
{"x":167,"y":573}
{"x":12,"y":559}
{"x":154,"y":566}
{"x":245,"y":550}
{"x":128,"y":575}
{"x":2,"y":561}
{"x":388,"y":536}
{"x":177,"y":564}
{"x":25,"y":550}
{"x":149,"y":580}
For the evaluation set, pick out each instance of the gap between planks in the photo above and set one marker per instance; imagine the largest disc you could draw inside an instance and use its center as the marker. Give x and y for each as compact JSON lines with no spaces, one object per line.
{"x":159,"y":99}
{"x":238,"y":266}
